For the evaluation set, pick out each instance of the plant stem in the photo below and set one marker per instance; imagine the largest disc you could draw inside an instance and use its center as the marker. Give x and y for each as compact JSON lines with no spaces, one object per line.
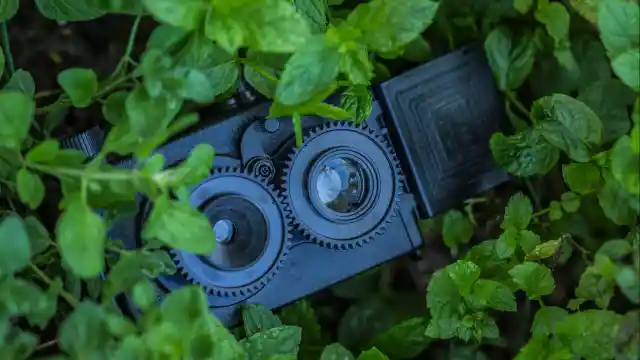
{"x":262,"y":72}
{"x":6,"y":47}
{"x":132,"y":40}
{"x":46,"y":344}
{"x":63,"y":293}
{"x":514,"y":100}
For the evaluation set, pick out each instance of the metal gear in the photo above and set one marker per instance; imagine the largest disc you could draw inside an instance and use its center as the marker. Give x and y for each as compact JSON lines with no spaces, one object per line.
{"x":353,"y":228}
{"x":231,"y":195}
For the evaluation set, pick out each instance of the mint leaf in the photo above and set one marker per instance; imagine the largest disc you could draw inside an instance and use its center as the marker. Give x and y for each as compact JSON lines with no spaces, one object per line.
{"x":443,"y":301}
{"x":262,"y":70}
{"x":418,"y":50}
{"x":38,"y":235}
{"x":358,"y":101}
{"x":315,"y":12}
{"x":510,"y":59}
{"x":535,"y":279}
{"x":615,"y":249}
{"x":524,"y":154}
{"x":30,"y":188}
{"x":596,"y":286}
{"x":628,"y":280}
{"x":568,"y":124}
{"x":518,"y":212}
{"x":495,"y":295}
{"x":589,"y":333}
{"x":555,"y":211}
{"x":79,"y":84}
{"x":387,"y":25}
{"x":405,"y":340}
{"x":609,"y":99}
{"x":555,"y":17}
{"x":44,"y":152}
{"x":464,"y":274}
{"x":311,"y":70}
{"x":21,"y":81}
{"x":336,"y":351}
{"x":16,"y":115}
{"x":68,"y":10}
{"x":257,"y":318}
{"x":507,"y":243}
{"x":546,"y":318}
{"x":302,"y":314}
{"x":582,"y":178}
{"x":283,"y":340}
{"x":616,"y":202}
{"x":625,"y":165}
{"x":618,"y":24}
{"x":625,"y":67}
{"x":523,"y":6}
{"x":144,"y":294}
{"x":14,"y":241}
{"x":185,"y":14}
{"x":8,"y":8}
{"x":570,"y":202}
{"x":180,"y":226}
{"x":372,"y":354}
{"x":457,"y":229}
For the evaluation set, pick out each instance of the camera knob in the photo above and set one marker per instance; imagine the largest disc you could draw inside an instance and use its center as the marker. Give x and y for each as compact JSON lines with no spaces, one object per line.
{"x":270,"y":125}
{"x":89,"y":142}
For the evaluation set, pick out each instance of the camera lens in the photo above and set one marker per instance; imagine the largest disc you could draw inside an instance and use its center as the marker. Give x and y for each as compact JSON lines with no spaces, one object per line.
{"x":341,"y":184}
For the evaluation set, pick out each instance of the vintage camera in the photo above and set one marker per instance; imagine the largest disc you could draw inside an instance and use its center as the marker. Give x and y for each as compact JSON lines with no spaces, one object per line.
{"x":290,"y":221}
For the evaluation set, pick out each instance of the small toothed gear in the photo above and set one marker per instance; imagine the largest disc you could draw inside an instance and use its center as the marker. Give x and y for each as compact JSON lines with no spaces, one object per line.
{"x":253,"y":236}
{"x":377,"y":180}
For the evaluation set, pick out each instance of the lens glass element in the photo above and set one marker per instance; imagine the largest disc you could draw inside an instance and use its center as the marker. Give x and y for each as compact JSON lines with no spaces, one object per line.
{"x":341,"y":184}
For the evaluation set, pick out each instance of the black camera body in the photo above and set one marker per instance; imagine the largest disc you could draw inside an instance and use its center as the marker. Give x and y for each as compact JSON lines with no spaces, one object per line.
{"x":291,"y":221}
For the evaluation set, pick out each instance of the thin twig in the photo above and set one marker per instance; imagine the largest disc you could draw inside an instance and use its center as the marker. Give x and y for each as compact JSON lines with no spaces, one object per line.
{"x":45,"y":345}
{"x":130,"y":44}
{"x":64,"y":294}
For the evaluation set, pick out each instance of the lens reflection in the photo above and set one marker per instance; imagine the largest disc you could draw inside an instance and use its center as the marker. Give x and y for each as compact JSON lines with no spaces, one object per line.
{"x":340,"y":185}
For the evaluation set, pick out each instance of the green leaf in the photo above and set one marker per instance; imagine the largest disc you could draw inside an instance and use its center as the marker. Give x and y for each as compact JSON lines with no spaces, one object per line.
{"x":180,"y":226}
{"x":524,"y":154}
{"x":186,"y":14}
{"x":528,"y":240}
{"x":144,"y":294}
{"x":518,"y":212}
{"x":628,"y":280}
{"x":418,"y":50}
{"x":315,"y":12}
{"x":615,"y":201}
{"x":523,"y":6}
{"x":478,"y":326}
{"x":507,"y":243}
{"x":535,"y":279}
{"x":625,"y":165}
{"x":81,"y":236}
{"x":257,"y":318}
{"x":582,"y":178}
{"x":14,"y":240}
{"x":275,"y":26}
{"x":546,"y":318}
{"x":311,"y":70}
{"x":570,"y":202}
{"x":38,"y":235}
{"x":68,"y":10}
{"x":625,"y":66}
{"x":16,"y":115}
{"x":405,"y":340}
{"x":356,"y":65}
{"x":21,"y":81}
{"x":8,"y":8}
{"x":556,"y":19}
{"x":336,"y":351}
{"x":444,"y":301}
{"x":30,"y":188}
{"x":44,"y":152}
{"x":457,"y":229}
{"x":128,"y":7}
{"x":510,"y":59}
{"x":359,"y":286}
{"x":495,"y":295}
{"x":555,"y":211}
{"x":282,"y":340}
{"x":544,"y":250}
{"x":618,"y":24}
{"x":387,"y":25}
{"x":84,"y":332}
{"x":590,"y":334}
{"x":464,"y":273}
{"x":301,"y":314}
{"x":372,"y":354}
{"x":568,"y":124}
{"x":79,"y":84}
{"x":609,"y":99}
{"x":262,"y":70}
{"x":596,"y":286}
{"x":358,"y":101}
{"x":615,"y":249}
{"x":133,"y":267}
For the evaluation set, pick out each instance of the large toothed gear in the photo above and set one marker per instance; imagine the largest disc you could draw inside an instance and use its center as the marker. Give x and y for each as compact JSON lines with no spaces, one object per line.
{"x":252,"y":234}
{"x":342,"y":185}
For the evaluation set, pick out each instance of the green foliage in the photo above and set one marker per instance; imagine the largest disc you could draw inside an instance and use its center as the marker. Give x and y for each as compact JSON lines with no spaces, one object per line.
{"x":568,"y":72}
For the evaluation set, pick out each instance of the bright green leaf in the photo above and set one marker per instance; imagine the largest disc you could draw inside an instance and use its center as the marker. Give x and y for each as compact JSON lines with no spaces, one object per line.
{"x":590,"y":334}
{"x":38,"y":235}
{"x":257,"y":318}
{"x":546,"y":319}
{"x":444,"y":301}
{"x":596,"y":286}
{"x":44,"y":151}
{"x":16,"y":115}
{"x":556,"y":19}
{"x":457,"y":229}
{"x":14,"y":240}
{"x":372,"y":354}
{"x":21,"y":81}
{"x":187,"y":14}
{"x":507,"y":243}
{"x":315,"y":12}
{"x":544,"y":250}
{"x":283,"y":340}
{"x":555,"y":211}
{"x":81,"y":236}
{"x":518,"y":212}
{"x":30,"y":188}
{"x":511,"y":59}
{"x":582,"y":178}
{"x":523,"y":6}
{"x":495,"y":295}
{"x":616,"y":202}
{"x":80,"y":84}
{"x":358,"y":101}
{"x":302,"y":314}
{"x":144,"y":294}
{"x":535,"y":279}
{"x":84,"y":331}
{"x":625,"y":165}
{"x":464,"y":274}
{"x":618,"y":24}
{"x":570,"y":202}
{"x":336,"y":351}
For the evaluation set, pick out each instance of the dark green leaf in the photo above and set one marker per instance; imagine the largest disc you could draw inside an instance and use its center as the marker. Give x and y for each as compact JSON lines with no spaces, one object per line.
{"x":535,"y":279}
{"x":133,"y":267}
{"x":312,"y":69}
{"x":609,"y":99}
{"x":16,"y":115}
{"x":387,"y":25}
{"x":596,"y":286}
{"x":130,"y":7}
{"x":84,"y":332}
{"x":590,"y":334}
{"x":511,"y":59}
{"x":524,"y":154}
{"x":546,"y":319}
{"x":625,"y":164}
{"x":625,"y":66}
{"x":628,"y":280}
{"x":358,"y":101}
{"x":180,"y":226}
{"x":14,"y":240}
{"x":457,"y":229}
{"x":315,"y":12}
{"x":336,"y":351}
{"x":615,"y":202}
{"x":495,"y":295}
{"x":556,"y":19}
{"x":81,"y":236}
{"x":80,"y":85}
{"x":372,"y":354}
{"x":257,"y":318}
{"x":555,"y":211}
{"x":523,"y":6}
{"x":68,"y":10}
{"x":418,"y":50}
{"x":8,"y":8}
{"x":301,"y":314}
{"x":405,"y":340}
{"x":21,"y":81}
{"x":518,"y":212}
{"x":30,"y":188}
{"x":615,"y":249}
{"x":283,"y":340}
{"x":359,"y":286}
{"x":444,"y":301}
{"x":38,"y":235}
{"x":19,"y":345}
{"x":570,"y":202}
{"x":582,"y":178}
